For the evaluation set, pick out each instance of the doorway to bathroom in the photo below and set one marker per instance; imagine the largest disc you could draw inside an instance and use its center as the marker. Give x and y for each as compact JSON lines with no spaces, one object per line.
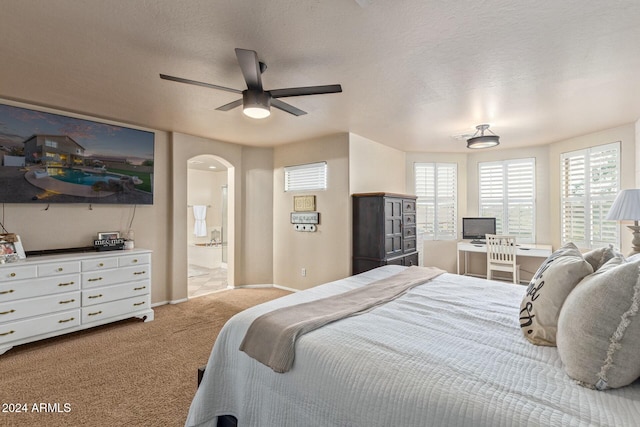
{"x":207,"y":225}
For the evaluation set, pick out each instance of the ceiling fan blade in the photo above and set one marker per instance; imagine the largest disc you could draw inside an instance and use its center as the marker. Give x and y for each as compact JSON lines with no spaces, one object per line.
{"x":229,"y":106}
{"x":193,"y":82}
{"x":301,"y":91}
{"x":250,"y":66}
{"x":280,"y":105}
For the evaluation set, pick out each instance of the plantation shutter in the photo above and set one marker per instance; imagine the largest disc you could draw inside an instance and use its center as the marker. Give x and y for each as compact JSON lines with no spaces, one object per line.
{"x":312,"y":176}
{"x":507,"y":192}
{"x":590,"y":183}
{"x":436,"y":187}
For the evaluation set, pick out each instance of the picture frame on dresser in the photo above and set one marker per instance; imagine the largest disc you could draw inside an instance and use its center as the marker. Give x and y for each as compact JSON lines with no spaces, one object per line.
{"x":108,"y":235}
{"x":11,"y":246}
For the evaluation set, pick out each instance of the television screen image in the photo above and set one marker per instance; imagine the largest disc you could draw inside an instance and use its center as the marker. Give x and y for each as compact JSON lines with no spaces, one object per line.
{"x":51,"y":158}
{"x":476,"y":228}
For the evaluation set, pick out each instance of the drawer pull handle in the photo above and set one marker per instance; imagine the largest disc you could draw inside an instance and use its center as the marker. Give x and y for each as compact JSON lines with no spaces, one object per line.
{"x":95,"y":280}
{"x":6,"y":333}
{"x":96,"y":313}
{"x":66,"y":320}
{"x":8,"y":312}
{"x":60,"y":268}
{"x":138,"y":303}
{"x":95,"y":296}
{"x":67,"y":301}
{"x":66,"y":284}
{"x":101,"y":265}
{"x":139,"y":288}
{"x":12,"y":275}
{"x":6,"y":292}
{"x":139,"y":272}
{"x":134,"y":260}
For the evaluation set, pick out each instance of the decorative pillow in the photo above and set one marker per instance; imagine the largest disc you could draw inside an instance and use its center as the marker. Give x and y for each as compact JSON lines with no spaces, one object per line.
{"x":599,"y":327}
{"x":546,"y":293}
{"x":598,"y":257}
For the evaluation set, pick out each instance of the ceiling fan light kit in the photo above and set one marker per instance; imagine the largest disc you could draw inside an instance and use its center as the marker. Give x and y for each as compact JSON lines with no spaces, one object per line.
{"x":256,"y":105}
{"x":256,"y":102}
{"x":482,"y":140}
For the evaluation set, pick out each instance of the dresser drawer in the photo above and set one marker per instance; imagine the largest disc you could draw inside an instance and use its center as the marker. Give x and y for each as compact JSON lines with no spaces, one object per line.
{"x":409,"y":245}
{"x":38,"y":325}
{"x":409,"y":220}
{"x":121,"y":275}
{"x":114,"y":292}
{"x":408,"y":206}
{"x":132,"y":260}
{"x":409,"y":232}
{"x":99,"y":264}
{"x":115,"y":308}
{"x":10,"y":273}
{"x":52,"y":269}
{"x":21,"y":309}
{"x":39,"y":287}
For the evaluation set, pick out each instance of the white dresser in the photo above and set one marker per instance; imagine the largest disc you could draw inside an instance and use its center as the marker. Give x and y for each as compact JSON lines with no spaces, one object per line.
{"x":49,"y":295}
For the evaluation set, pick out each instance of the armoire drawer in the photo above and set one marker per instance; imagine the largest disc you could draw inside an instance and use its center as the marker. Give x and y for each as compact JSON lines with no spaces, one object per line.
{"x":35,"y":326}
{"x":114,"y":292}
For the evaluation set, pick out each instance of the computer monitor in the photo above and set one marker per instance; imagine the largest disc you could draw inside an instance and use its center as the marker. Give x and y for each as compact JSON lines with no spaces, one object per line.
{"x":476,"y":228}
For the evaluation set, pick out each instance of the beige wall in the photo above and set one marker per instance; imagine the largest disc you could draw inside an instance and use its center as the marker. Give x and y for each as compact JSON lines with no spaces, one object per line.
{"x":257,"y":202}
{"x":374,"y":167}
{"x":326,"y":253}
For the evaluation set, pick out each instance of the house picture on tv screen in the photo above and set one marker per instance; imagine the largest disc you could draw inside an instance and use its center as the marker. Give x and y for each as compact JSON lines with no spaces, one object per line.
{"x":51,"y":158}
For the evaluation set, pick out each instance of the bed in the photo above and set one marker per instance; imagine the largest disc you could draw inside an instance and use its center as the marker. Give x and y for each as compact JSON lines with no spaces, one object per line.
{"x":449,"y":352}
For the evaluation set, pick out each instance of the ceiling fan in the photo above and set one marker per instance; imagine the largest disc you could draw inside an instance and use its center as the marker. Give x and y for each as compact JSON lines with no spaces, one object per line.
{"x":256,"y":101}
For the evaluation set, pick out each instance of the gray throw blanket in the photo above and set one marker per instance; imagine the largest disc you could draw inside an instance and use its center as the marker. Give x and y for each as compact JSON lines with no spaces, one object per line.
{"x":271,"y":337}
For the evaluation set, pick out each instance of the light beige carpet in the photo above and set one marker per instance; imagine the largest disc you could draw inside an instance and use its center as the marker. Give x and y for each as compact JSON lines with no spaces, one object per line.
{"x":128,"y":373}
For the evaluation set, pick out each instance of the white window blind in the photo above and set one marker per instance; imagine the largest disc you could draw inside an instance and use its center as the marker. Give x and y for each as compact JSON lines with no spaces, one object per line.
{"x":590,"y":181}
{"x":436,"y":187}
{"x":507,"y":192}
{"x":312,"y":176}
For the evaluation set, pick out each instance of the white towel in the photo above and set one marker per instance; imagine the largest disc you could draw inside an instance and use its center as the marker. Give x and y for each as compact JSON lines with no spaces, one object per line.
{"x":200,"y":226}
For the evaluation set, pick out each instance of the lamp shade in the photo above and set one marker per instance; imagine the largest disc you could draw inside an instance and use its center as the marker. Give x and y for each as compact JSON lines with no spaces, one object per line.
{"x":626,"y":206}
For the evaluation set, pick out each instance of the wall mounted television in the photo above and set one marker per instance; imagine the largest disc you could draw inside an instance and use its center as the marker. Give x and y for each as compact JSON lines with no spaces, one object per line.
{"x":51,"y":158}
{"x":476,"y":228}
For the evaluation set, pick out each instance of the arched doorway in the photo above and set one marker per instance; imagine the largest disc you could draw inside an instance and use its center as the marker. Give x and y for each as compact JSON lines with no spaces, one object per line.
{"x":207,"y":224}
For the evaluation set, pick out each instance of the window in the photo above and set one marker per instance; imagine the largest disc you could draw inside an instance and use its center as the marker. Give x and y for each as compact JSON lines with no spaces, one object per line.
{"x":507,"y":192}
{"x":590,"y":181}
{"x":436,"y":205}
{"x":312,"y":176}
{"x":51,"y":143}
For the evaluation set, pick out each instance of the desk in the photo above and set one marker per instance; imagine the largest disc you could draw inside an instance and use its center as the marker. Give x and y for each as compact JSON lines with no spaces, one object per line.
{"x":522,"y":250}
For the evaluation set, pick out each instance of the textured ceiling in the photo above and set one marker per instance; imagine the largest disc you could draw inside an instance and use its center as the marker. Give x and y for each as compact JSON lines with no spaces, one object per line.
{"x":414,"y":73}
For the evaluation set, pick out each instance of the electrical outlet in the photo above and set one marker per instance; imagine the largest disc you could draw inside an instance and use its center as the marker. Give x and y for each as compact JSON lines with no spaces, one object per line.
{"x":303,"y":272}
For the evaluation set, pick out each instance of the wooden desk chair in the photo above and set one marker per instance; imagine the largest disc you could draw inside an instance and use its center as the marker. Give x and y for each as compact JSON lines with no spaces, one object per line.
{"x":501,"y":256}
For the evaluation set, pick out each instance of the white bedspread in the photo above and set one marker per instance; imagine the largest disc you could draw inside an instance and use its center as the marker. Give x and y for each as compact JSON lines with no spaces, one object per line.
{"x":448,"y":353}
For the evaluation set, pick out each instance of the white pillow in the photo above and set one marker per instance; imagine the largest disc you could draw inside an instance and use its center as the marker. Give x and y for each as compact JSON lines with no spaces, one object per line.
{"x":598,"y":257}
{"x":546,"y":293}
{"x":599,"y":327}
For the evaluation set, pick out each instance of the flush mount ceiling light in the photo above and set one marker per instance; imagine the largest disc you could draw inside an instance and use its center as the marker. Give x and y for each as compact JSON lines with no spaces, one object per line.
{"x":482,"y":140}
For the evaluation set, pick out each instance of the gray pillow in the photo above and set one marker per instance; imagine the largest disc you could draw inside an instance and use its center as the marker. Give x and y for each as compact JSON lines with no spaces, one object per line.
{"x":599,"y":327}
{"x":598,"y":257}
{"x":546,"y":293}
